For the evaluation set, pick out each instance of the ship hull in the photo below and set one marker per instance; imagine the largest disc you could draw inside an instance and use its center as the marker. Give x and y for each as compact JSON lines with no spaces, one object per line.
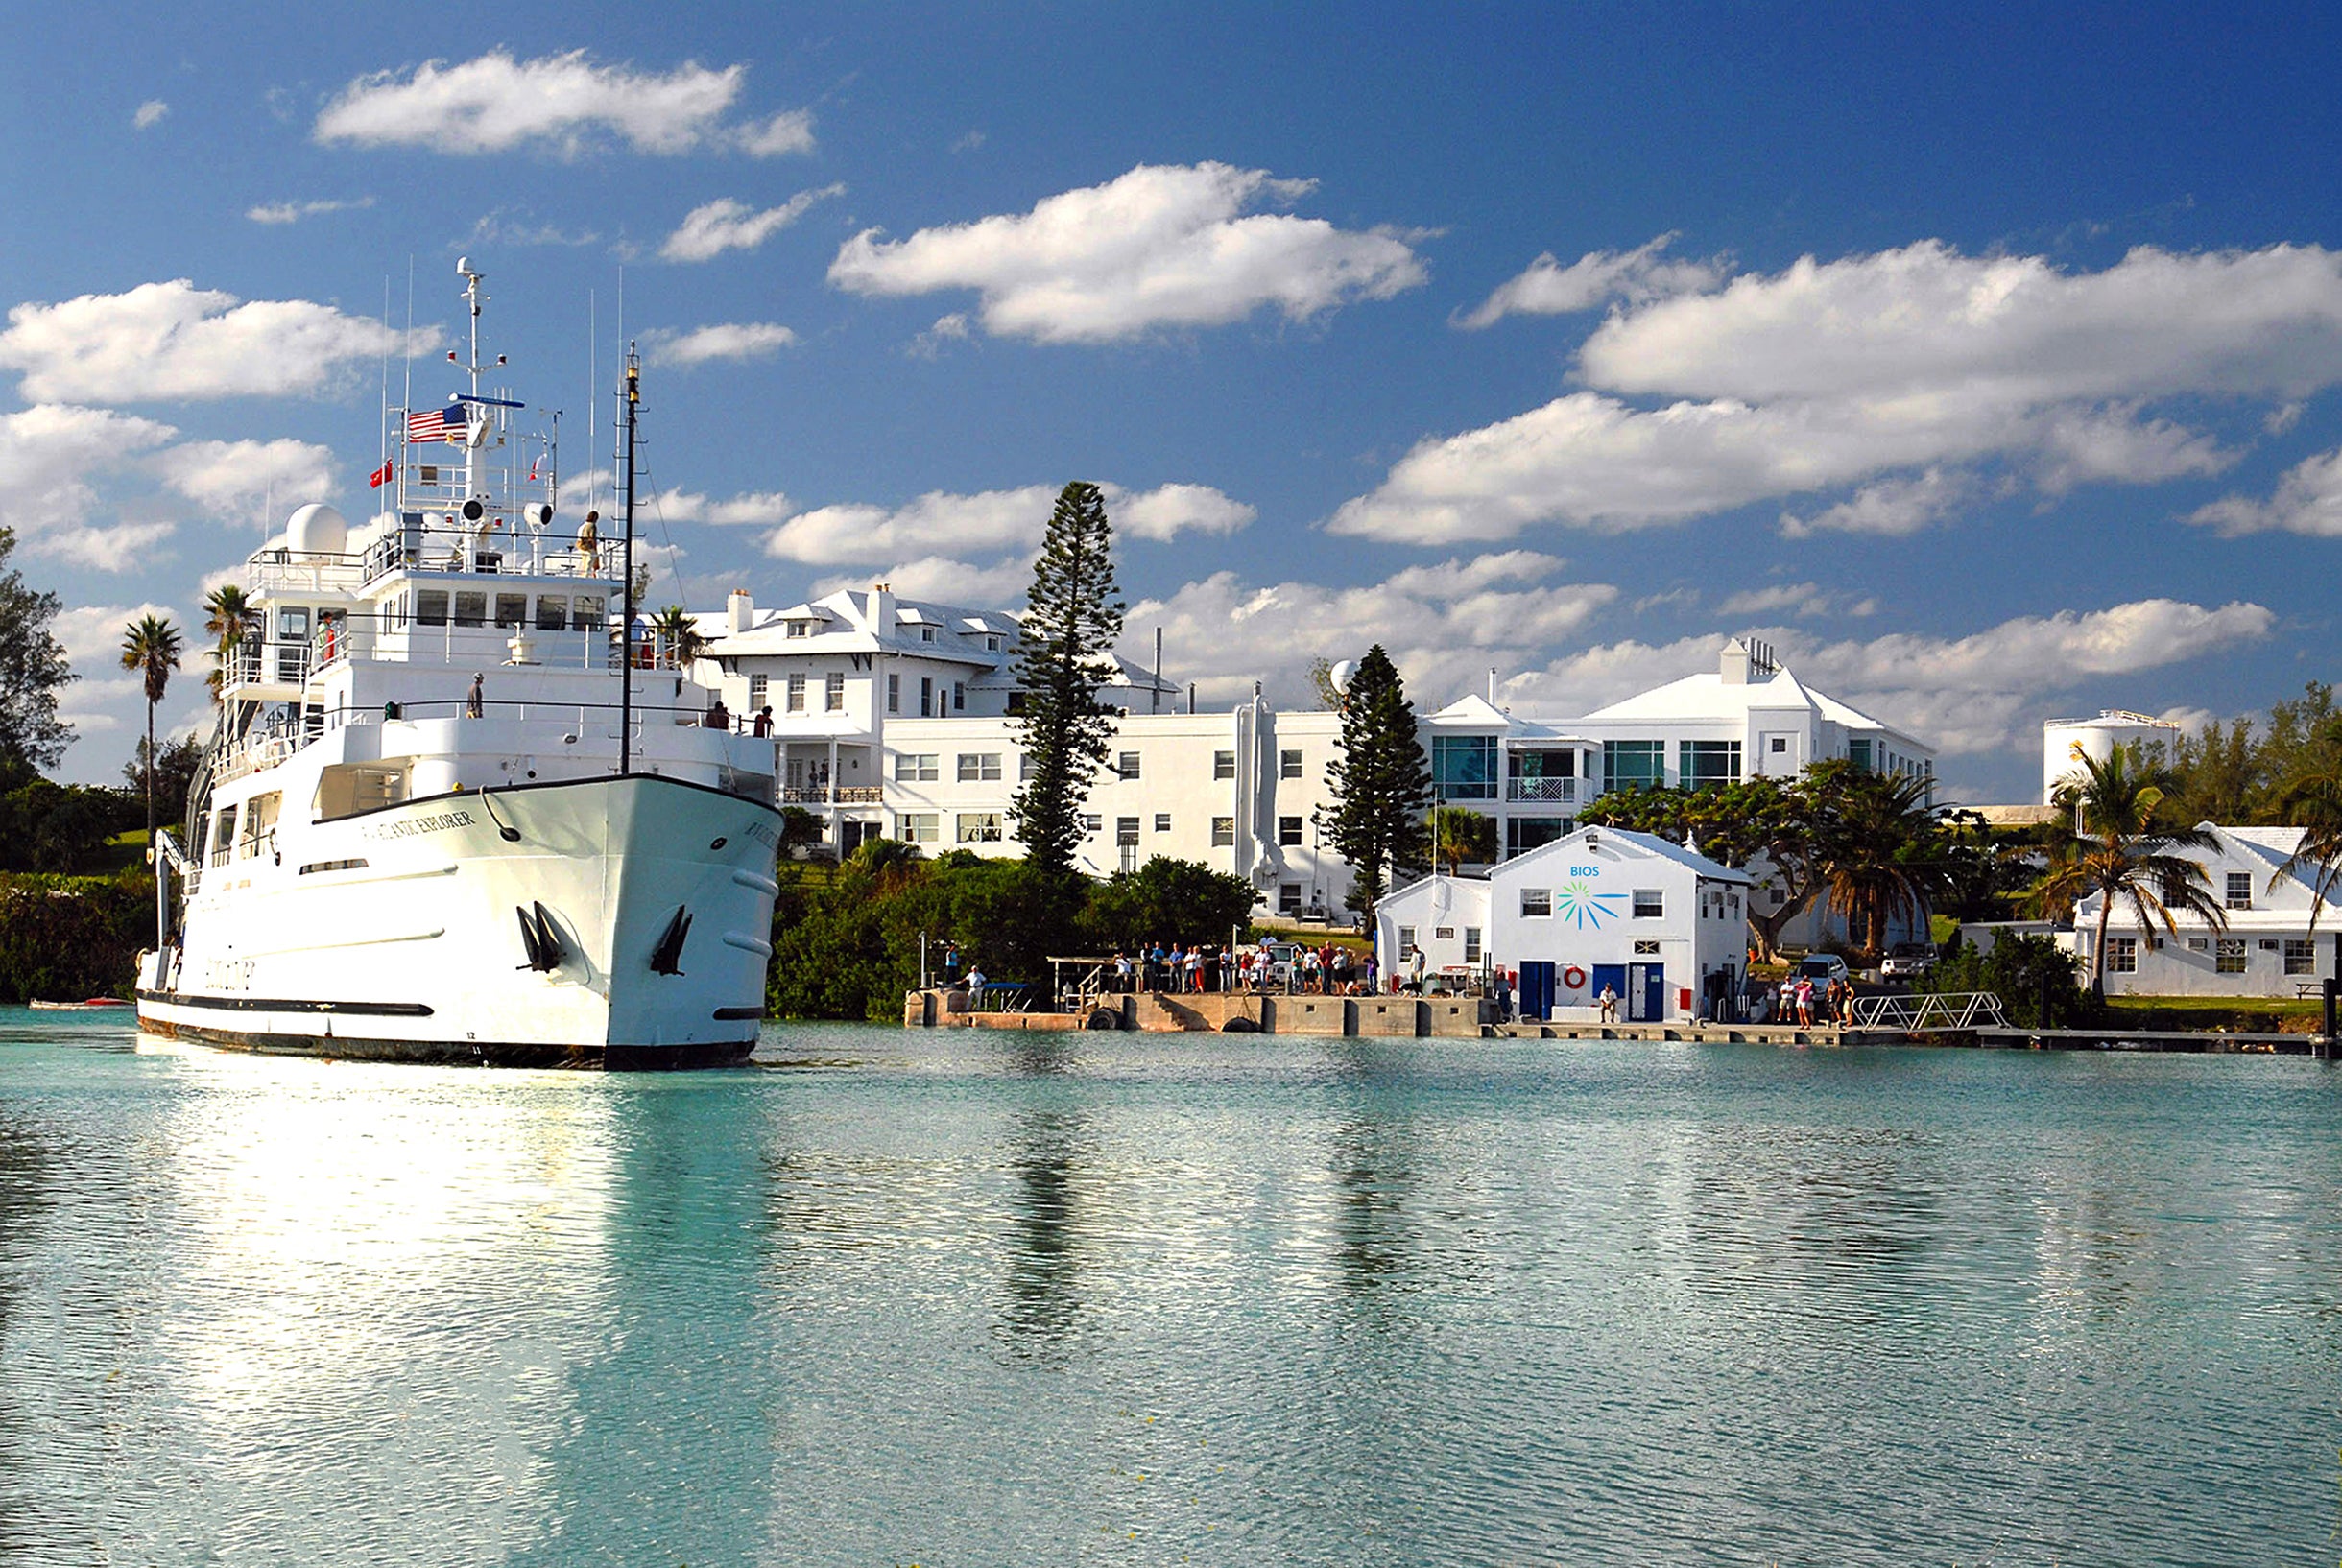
{"x":597,"y":923}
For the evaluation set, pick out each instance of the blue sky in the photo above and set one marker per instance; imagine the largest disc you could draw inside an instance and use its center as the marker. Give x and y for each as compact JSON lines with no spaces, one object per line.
{"x":1982,"y":361}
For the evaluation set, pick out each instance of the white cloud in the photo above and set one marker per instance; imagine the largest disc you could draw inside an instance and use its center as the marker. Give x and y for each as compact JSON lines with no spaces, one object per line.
{"x":561,"y":103}
{"x":173,"y":340}
{"x":232,"y":480}
{"x":518,"y":226}
{"x":293,"y":212}
{"x":1964,"y":695}
{"x":1898,"y":506}
{"x":1161,"y":246}
{"x":1800,"y":599}
{"x":760,"y":509}
{"x":722,"y":340}
{"x":1007,"y":521}
{"x":947,"y":328}
{"x":1001,"y":585}
{"x":1444,"y":625}
{"x":788,"y":132}
{"x":1547,"y":288}
{"x":52,"y":458}
{"x":91,"y":634}
{"x":1868,"y":370}
{"x":2308,"y":500}
{"x":710,"y":229}
{"x":150,"y":114}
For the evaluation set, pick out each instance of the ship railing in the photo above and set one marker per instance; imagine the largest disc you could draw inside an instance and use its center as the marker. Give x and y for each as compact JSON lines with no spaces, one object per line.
{"x":498,"y":550}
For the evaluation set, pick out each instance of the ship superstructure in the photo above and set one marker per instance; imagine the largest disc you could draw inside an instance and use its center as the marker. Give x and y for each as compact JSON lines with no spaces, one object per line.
{"x":459,"y":805}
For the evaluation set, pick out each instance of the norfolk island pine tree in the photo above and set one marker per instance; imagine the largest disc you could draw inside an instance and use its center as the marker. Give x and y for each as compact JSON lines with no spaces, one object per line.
{"x":1380,"y":783}
{"x":1074,"y":619}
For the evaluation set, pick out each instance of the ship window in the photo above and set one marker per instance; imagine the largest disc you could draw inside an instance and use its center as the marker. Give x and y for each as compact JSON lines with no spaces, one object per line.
{"x":348,"y":788}
{"x":512,"y":610}
{"x":552,"y":613}
{"x":293,"y":623}
{"x":471,"y":609}
{"x":315,"y":866}
{"x":430,"y":606}
{"x":585,"y":613}
{"x":395,"y":612}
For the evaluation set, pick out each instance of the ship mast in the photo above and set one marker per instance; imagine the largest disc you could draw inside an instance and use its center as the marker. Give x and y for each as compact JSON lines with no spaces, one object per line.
{"x":626,"y":640}
{"x":473,"y":298}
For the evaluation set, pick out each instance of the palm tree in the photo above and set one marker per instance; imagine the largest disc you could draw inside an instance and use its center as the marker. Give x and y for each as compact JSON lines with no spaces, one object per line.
{"x":1884,"y":856}
{"x":229,"y":615}
{"x":2315,"y":805}
{"x":678,"y":634}
{"x":2125,"y":852}
{"x":151,"y":646}
{"x":1459,"y":834}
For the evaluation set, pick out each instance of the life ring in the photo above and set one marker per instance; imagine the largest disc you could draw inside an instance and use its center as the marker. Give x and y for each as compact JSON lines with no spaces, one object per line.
{"x":1574,"y":978}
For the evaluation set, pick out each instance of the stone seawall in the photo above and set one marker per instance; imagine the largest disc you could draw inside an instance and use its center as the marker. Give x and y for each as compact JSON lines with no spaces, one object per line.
{"x":1165,"y":1013}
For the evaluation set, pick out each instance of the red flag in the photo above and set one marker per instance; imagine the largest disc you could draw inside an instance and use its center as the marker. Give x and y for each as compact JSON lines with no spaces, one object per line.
{"x":379,"y":477}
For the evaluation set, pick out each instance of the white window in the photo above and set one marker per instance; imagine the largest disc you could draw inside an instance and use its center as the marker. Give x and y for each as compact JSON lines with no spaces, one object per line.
{"x":833,"y":691}
{"x":1127,"y":765}
{"x":2300,"y":956}
{"x":1471,"y":944}
{"x":800,"y":629}
{"x":979,"y":827}
{"x":2199,"y":944}
{"x":1223,"y":765}
{"x":1163,"y":822}
{"x":1780,"y":745}
{"x":757,"y":685}
{"x":2230,"y":959}
{"x":979,"y":767}
{"x":1406,"y":938}
{"x":1223,"y":832}
{"x":1288,"y":765}
{"x":916,"y":768}
{"x":926,"y":697}
{"x":1289,"y":831}
{"x":2239,"y":889}
{"x":2122,"y":955}
{"x":926,"y":633}
{"x":893,"y":692}
{"x":1024,"y":767}
{"x":1536,"y":903}
{"x":992,"y":643}
{"x":1288,"y":899}
{"x":797,"y":694}
{"x":1650,"y":904}
{"x":918,"y":827}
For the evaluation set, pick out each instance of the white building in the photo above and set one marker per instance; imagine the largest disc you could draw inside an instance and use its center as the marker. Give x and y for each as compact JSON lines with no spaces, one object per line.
{"x":2066,"y":742}
{"x":1663,"y":928}
{"x":2265,"y":949}
{"x":894,"y":718}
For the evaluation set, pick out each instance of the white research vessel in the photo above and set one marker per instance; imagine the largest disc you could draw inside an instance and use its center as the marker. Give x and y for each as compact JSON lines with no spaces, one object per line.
{"x":443,"y":818}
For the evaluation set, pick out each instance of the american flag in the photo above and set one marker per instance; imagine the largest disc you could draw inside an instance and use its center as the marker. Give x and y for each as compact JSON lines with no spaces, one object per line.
{"x":440,"y":424}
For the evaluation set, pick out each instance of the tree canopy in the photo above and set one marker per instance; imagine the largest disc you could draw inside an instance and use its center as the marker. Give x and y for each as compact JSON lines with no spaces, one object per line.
{"x":1379,"y":784}
{"x":32,"y":668}
{"x":1074,"y":619}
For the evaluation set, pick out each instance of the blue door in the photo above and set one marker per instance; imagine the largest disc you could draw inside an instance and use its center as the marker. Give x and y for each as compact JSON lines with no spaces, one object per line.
{"x":1536,"y":988}
{"x":1611,"y":978}
{"x":1646,"y":993}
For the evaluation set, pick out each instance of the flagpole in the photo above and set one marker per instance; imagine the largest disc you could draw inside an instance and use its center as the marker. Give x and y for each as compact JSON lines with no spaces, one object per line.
{"x":625,"y":641}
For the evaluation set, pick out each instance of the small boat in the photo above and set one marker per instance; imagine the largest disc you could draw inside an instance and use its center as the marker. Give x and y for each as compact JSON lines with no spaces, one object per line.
{"x":40,"y":1006}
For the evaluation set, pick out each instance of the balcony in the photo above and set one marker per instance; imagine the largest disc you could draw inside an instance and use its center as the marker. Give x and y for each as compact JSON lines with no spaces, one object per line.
{"x":1564,"y":790}
{"x":824,"y":794}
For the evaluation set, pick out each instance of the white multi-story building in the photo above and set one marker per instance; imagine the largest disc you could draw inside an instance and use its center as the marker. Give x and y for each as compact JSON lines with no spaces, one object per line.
{"x":893,"y":717}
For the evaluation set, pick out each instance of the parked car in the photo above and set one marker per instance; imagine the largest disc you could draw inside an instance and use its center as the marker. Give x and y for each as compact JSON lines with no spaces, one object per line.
{"x":1907,"y":961}
{"x":1822,"y":968}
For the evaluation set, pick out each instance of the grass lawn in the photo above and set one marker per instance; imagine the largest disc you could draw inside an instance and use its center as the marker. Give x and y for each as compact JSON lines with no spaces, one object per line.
{"x":2214,"y":1007}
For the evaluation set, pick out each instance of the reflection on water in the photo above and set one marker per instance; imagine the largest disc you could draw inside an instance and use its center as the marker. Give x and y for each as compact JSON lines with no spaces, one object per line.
{"x":1055,"y":1298}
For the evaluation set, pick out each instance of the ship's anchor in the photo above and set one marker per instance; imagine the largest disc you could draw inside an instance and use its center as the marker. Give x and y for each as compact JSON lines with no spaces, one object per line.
{"x":666,"y":958}
{"x":541,"y":937}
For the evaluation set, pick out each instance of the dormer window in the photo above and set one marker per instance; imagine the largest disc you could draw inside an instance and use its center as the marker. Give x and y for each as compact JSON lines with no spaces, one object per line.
{"x":800,"y":629}
{"x":926,"y":633}
{"x":992,"y":643}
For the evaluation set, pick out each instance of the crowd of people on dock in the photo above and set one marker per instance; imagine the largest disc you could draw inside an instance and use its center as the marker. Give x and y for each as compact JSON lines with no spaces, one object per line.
{"x":1204,"y":969}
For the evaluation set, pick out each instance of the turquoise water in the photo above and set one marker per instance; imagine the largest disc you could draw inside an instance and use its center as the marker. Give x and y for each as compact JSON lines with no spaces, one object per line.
{"x":956,"y":1299}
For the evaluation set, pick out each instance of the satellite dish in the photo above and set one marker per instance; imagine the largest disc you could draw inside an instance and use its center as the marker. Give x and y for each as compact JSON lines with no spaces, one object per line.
{"x":1340,"y":675}
{"x":462,"y":264}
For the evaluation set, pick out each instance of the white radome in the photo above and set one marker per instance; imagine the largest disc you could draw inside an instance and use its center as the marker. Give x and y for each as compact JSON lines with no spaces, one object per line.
{"x":316,"y":530}
{"x":1341,"y":674}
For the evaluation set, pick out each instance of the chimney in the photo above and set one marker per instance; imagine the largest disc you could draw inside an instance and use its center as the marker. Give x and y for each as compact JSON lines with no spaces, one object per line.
{"x":739,"y":611}
{"x":1735,"y":664}
{"x":882,"y":611}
